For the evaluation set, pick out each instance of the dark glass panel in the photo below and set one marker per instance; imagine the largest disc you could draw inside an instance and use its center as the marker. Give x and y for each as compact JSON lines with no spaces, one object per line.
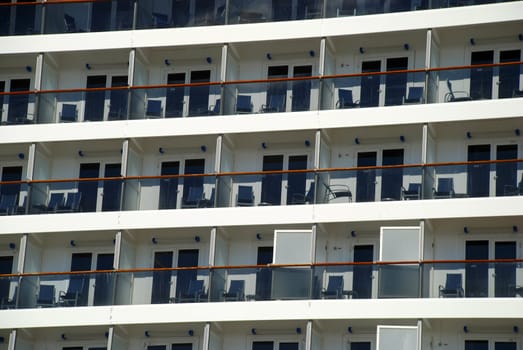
{"x":161,"y":289}
{"x":175,"y":96}
{"x":362,"y":274}
{"x":112,"y":189}
{"x":366,"y":179}
{"x":104,"y":282}
{"x":89,"y":189}
{"x":95,"y":100}
{"x":392,"y":179}
{"x":301,"y":89}
{"x":478,"y":175}
{"x":169,"y":186}
{"x":481,"y":77}
{"x":271,"y":183}
{"x":370,"y":84}
{"x":476,"y":280}
{"x":396,"y":84}
{"x":296,"y":182}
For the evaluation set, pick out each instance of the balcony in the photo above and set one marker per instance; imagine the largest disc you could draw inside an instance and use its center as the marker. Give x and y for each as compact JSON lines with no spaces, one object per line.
{"x":296,"y":94}
{"x":373,"y":280}
{"x":262,"y":188}
{"x":25,"y":18}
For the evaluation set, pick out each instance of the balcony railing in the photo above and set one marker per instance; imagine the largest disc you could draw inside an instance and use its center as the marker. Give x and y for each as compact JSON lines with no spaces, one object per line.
{"x":67,"y":16}
{"x":337,"y":280}
{"x":296,"y":94}
{"x":249,"y":189}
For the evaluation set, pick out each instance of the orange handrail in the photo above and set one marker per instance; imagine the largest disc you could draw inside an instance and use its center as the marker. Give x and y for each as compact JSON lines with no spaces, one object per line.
{"x":271,"y":266}
{"x":261,"y":81}
{"x":271,"y":172}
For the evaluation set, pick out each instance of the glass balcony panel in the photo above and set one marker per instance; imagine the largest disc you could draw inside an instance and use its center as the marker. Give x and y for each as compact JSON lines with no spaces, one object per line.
{"x":487,"y":81}
{"x":477,"y":279}
{"x":170,"y":191}
{"x":267,"y":189}
{"x":67,"y":290}
{"x":275,"y":96}
{"x":81,"y":195}
{"x":399,"y":281}
{"x":170,"y":285}
{"x":474,"y":179}
{"x":252,"y":283}
{"x":364,"y":90}
{"x":18,"y":105}
{"x":21,"y":19}
{"x":9,"y":290}
{"x":393,"y":183}
{"x":176,"y":101}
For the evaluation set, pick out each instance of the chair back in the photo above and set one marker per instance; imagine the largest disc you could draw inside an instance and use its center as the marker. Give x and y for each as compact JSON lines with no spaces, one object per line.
{"x":73,"y":201}
{"x":310,"y":195}
{"x":277,"y":102}
{"x":345,"y":97}
{"x":76,"y":284}
{"x":415,"y":93}
{"x":451,"y":93}
{"x":414,"y":188}
{"x":195,"y":194}
{"x":335,"y":283}
{"x":195,"y":287}
{"x":154,"y":108}
{"x":70,"y":23}
{"x":243,"y":104}
{"x":56,"y":200}
{"x":68,"y":112}
{"x":46,"y":294}
{"x":217,"y":107}
{"x":236,"y":287}
{"x":245,"y":195}
{"x":445,"y":184}
{"x":8,"y":202}
{"x":454,"y":281}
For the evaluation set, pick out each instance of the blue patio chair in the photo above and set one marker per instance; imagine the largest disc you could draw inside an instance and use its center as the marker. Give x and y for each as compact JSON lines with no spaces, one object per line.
{"x":276,"y":104}
{"x":215,"y":109}
{"x":345,"y":99}
{"x":445,"y":188}
{"x":334,"y":288}
{"x":245,"y":197}
{"x":236,"y":291}
{"x":46,"y":296}
{"x":69,"y":112}
{"x":72,"y":203}
{"x":453,"y":286}
{"x":72,"y":296}
{"x":56,"y":200}
{"x":70,"y":24}
{"x":243,"y":104}
{"x":413,"y":191}
{"x":160,"y":20}
{"x":208,"y":203}
{"x":8,"y":204}
{"x":456,"y":96}
{"x":300,"y":198}
{"x":415,"y":95}
{"x":194,"y":293}
{"x":194,"y":196}
{"x":154,"y":108}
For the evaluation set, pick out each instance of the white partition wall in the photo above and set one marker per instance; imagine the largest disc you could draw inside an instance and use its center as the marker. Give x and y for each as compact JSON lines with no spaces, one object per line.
{"x":292,"y":247}
{"x":400,"y":280}
{"x":398,"y":337}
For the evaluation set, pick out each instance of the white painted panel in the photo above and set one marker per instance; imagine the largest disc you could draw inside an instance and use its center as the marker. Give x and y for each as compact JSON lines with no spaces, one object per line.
{"x":292,"y":246}
{"x":396,"y":337}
